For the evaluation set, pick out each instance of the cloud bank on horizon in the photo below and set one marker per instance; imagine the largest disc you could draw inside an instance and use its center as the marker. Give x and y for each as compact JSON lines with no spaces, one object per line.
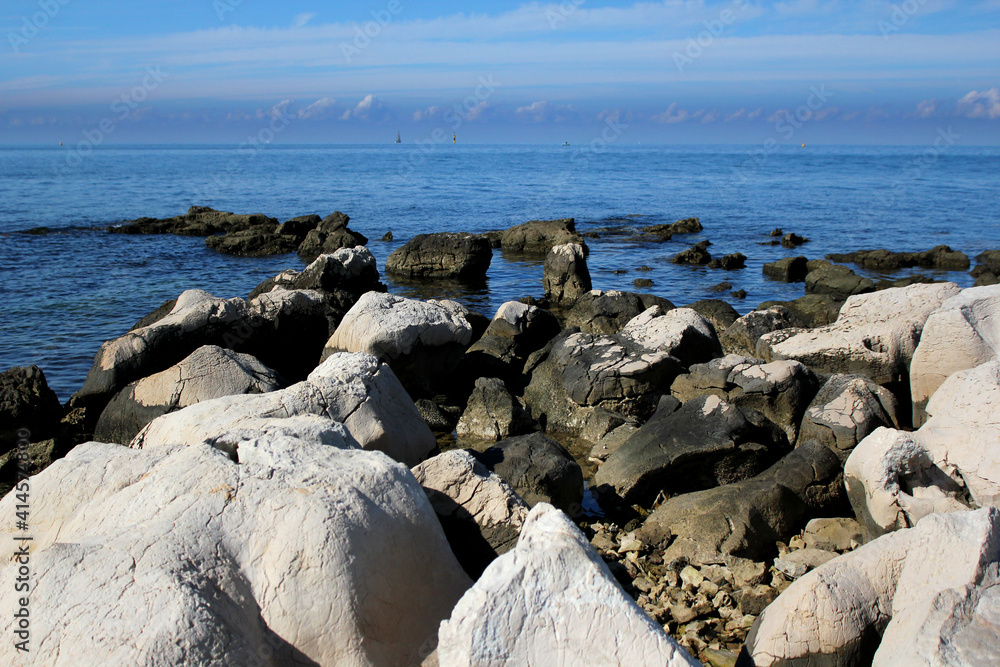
{"x":829,"y":71}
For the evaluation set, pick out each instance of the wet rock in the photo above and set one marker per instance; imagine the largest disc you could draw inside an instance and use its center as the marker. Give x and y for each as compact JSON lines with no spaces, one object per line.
{"x":745,"y":519}
{"x":606,"y":312}
{"x":665,"y":232}
{"x":731,"y":262}
{"x":299,"y":227}
{"x":718,"y":312}
{"x":198,"y":221}
{"x":208,"y":372}
{"x":739,"y":294}
{"x":875,"y":335}
{"x":625,"y":373}
{"x":741,"y":336}
{"x":780,"y":390}
{"x":697,"y":255}
{"x":253,"y":243}
{"x":813,"y":310}
{"x":792,"y":240}
{"x":905,"y":282}
{"x":909,"y":598}
{"x":516,"y":331}
{"x":836,"y":280}
{"x":705,"y":443}
{"x":26,"y":404}
{"x":846,"y":410}
{"x":721,"y":287}
{"x":492,"y":413}
{"x":539,"y":469}
{"x":833,"y":534}
{"x":284,"y":329}
{"x":354,"y":390}
{"x":563,"y":601}
{"x":641,"y":283}
{"x":174,"y":553}
{"x":388,"y":236}
{"x":329,"y":236}
{"x":939,"y":257}
{"x":423,"y":341}
{"x":962,"y":333}
{"x":460,"y":256}
{"x":788,"y":269}
{"x":566,"y":276}
{"x":480,"y":513}
{"x":540,"y":236}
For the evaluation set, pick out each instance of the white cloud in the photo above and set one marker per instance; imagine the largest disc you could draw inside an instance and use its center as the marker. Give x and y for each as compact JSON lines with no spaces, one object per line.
{"x":277,"y":111}
{"x":302,"y":19}
{"x":477,"y":111}
{"x":615,"y":116}
{"x":317,"y":109}
{"x":673,"y":114}
{"x":735,"y":115}
{"x":925,"y":109}
{"x":755,"y":113}
{"x":426,"y":114}
{"x":370,"y":108}
{"x":711,"y":117}
{"x":977,"y":104}
{"x":544,"y":111}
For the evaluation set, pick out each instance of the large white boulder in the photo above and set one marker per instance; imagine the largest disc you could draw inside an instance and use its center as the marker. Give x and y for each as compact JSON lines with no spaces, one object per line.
{"x":353,"y":389}
{"x":963,"y":332}
{"x":921,"y":596}
{"x":895,"y":478}
{"x":875,"y":334}
{"x":299,"y":554}
{"x":552,"y":601}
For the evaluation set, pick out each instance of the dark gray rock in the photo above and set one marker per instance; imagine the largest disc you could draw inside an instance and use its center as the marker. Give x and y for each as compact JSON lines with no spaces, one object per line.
{"x":788,"y":269}
{"x":437,"y":417}
{"x":253,"y":243}
{"x":27,"y":404}
{"x":697,"y":255}
{"x":665,"y":232}
{"x":299,"y":227}
{"x":540,"y":236}
{"x":608,"y":312}
{"x":198,"y":221}
{"x":539,"y":469}
{"x":492,"y":413}
{"x":718,"y":312}
{"x":737,"y":260}
{"x":812,"y":310}
{"x":939,"y":257}
{"x":747,"y":518}
{"x":836,"y":280}
{"x":330,"y":235}
{"x":780,"y":390}
{"x":792,"y":240}
{"x":516,"y":331}
{"x":459,"y":256}
{"x":741,"y":336}
{"x":565,"y":275}
{"x":846,"y":409}
{"x":706,"y":443}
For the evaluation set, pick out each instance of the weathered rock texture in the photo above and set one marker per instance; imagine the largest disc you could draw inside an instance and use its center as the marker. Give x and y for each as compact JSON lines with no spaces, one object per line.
{"x":896,"y":478}
{"x":552,"y":601}
{"x":875,"y":335}
{"x":208,"y":372}
{"x":741,"y":336}
{"x":963,"y":333}
{"x":515,"y":332}
{"x":924,"y":596}
{"x":353,"y":389}
{"x":627,"y":372}
{"x":26,"y":404}
{"x":329,"y":236}
{"x":606,"y":312}
{"x":846,"y":410}
{"x":480,"y":513}
{"x":492,"y":413}
{"x":461,"y":256}
{"x":565,"y":275}
{"x":939,"y":257}
{"x":707,"y":442}
{"x":540,"y":236}
{"x":299,"y":554}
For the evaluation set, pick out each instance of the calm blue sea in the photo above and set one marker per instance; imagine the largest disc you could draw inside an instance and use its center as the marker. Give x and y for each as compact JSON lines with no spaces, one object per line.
{"x":68,"y":291}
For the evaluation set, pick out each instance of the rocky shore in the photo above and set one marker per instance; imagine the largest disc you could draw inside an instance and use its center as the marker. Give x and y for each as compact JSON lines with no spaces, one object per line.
{"x":324,"y":473}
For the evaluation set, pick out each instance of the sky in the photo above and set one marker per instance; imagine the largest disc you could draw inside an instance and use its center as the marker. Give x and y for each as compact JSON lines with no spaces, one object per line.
{"x":676,"y":71}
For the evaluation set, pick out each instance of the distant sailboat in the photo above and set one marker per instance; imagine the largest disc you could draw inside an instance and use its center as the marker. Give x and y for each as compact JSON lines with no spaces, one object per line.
{"x":454,"y":138}
{"x":399,"y":140}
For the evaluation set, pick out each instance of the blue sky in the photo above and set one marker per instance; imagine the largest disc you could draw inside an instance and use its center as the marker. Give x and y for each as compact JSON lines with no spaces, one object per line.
{"x":677,"y":71}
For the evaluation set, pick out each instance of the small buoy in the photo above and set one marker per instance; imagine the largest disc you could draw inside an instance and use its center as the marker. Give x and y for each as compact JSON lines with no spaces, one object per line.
{"x":60,"y":143}
{"x":803,"y":145}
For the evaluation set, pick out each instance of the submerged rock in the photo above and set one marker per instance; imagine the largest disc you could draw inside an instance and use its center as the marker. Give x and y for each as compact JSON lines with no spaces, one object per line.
{"x":939,"y":257}
{"x":198,"y":221}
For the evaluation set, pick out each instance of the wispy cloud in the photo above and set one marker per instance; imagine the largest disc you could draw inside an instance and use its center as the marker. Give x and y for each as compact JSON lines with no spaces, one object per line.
{"x":318,"y":109}
{"x":301,"y":20}
{"x":985,"y":104}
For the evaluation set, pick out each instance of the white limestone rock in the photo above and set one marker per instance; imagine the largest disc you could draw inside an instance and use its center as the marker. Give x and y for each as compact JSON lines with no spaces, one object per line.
{"x":353,"y":389}
{"x":962,"y":333}
{"x":552,"y":601}
{"x":300,"y":553}
{"x":905,"y":587}
{"x":875,"y":334}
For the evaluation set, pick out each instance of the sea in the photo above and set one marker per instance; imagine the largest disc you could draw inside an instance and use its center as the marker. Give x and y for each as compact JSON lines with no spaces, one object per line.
{"x":69,"y":285}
